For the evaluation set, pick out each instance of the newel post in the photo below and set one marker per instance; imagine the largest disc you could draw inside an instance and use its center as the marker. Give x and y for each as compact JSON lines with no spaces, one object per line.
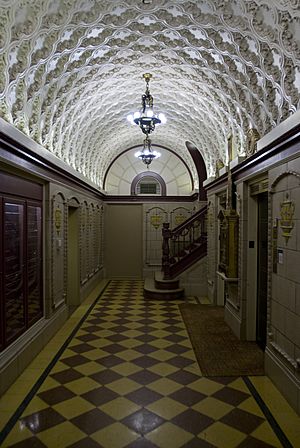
{"x":166,"y":235}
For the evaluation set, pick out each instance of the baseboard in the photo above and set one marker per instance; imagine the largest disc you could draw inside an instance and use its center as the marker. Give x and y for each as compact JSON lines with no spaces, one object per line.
{"x":283,"y":378}
{"x":23,"y":351}
{"x":233,"y":321}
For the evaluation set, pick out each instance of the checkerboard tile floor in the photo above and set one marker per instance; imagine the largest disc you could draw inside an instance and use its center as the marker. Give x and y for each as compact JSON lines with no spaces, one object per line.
{"x":129,"y":378}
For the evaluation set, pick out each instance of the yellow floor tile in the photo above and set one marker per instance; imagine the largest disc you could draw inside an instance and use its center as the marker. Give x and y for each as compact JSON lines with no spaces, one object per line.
{"x":89,"y":368}
{"x":17,"y":434}
{"x":49,"y":383}
{"x":164,"y":386}
{"x":222,"y":436}
{"x":61,"y":435}
{"x":132,"y":333}
{"x":265,"y":433}
{"x":206,"y":386}
{"x":123,"y":386}
{"x":114,"y":436}
{"x":130,"y":343}
{"x":167,"y":408}
{"x":250,"y":405}
{"x":286,"y":417}
{"x":164,"y":434}
{"x":162,"y":355}
{"x":239,"y":384}
{"x":129,"y":355}
{"x":35,"y":405}
{"x":119,"y":408}
{"x":94,"y":354}
{"x":212,"y":407}
{"x":126,"y":368}
{"x":73,"y":407}
{"x":160,"y":343}
{"x":82,"y":385}
{"x":163,"y":369}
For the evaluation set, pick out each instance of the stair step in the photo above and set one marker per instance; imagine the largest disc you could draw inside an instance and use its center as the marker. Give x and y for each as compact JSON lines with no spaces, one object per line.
{"x":161,"y":283}
{"x":151,"y":292}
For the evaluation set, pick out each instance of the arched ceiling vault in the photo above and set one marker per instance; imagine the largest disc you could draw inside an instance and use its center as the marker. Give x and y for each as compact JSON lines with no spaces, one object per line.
{"x":71,"y":71}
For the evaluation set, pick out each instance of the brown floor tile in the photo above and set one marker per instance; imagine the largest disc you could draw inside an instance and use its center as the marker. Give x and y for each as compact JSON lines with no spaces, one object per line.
{"x":87,"y":337}
{"x":242,"y":420}
{"x":145,"y":349}
{"x":231,"y":396}
{"x":192,"y":421}
{"x":187,"y":396}
{"x":180,"y":361}
{"x":75,"y":360}
{"x":113,"y":348}
{"x":183,"y":377}
{"x":99,"y":396}
{"x":144,"y":377}
{"x":110,"y":361}
{"x":65,"y":376}
{"x":92,"y":421}
{"x":106,"y":376}
{"x":252,"y":442}
{"x":32,"y":442}
{"x":198,"y":443}
{"x":143,"y":421}
{"x":145,"y":361}
{"x":141,"y":443}
{"x":176,"y":348}
{"x":42,"y":420}
{"x":56,"y":395}
{"x":143,"y":396}
{"x":87,"y":442}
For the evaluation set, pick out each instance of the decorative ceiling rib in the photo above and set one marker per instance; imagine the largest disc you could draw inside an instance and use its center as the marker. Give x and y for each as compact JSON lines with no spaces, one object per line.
{"x":71,"y":71}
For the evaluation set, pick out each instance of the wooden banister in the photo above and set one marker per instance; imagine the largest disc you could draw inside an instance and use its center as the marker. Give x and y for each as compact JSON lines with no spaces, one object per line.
{"x":184,"y":245}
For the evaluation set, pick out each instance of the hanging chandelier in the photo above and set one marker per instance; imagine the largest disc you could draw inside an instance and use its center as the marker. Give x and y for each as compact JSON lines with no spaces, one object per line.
{"x":145,"y":118}
{"x":146,"y":155}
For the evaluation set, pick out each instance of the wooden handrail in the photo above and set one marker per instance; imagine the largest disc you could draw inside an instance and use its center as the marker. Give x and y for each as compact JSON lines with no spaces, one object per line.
{"x":183,"y":245}
{"x":190,"y":220}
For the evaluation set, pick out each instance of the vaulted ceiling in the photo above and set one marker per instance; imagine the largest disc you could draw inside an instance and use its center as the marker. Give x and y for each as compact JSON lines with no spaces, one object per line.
{"x":71,"y":72}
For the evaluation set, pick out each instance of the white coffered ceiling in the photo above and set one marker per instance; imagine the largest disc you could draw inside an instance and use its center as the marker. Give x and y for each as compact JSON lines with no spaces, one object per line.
{"x":71,"y":71}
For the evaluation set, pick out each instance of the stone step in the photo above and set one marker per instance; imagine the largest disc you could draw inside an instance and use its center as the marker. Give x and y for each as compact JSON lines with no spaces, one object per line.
{"x":161,"y":283}
{"x":151,"y":292}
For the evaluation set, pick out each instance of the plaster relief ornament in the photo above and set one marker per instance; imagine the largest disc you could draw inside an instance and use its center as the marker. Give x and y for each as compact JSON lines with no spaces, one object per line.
{"x":70,"y":71}
{"x":156,"y":221}
{"x":252,"y":139}
{"x":179,"y":218}
{"x":57,"y":220}
{"x":287,"y":209}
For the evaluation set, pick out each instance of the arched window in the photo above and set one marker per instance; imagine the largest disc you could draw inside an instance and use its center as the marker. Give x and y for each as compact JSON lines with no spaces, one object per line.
{"x":148,"y":183}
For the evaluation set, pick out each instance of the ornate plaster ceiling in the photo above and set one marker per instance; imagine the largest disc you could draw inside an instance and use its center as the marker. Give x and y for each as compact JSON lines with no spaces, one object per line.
{"x":71,"y":71}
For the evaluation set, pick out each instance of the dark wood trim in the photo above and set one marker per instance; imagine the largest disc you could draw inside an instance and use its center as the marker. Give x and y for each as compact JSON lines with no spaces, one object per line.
{"x":14,"y":185}
{"x":142,"y":199}
{"x":148,"y":174}
{"x":200,"y":167}
{"x":140,"y":146}
{"x":285,"y":146}
{"x":275,"y":152}
{"x":15,"y":154}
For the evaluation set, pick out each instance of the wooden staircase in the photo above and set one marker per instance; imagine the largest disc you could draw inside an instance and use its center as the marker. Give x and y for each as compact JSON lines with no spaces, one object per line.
{"x":182,"y":247}
{"x":160,"y":289}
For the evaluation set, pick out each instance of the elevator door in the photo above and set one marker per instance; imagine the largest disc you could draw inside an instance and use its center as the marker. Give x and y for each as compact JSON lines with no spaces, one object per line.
{"x":262,"y":270}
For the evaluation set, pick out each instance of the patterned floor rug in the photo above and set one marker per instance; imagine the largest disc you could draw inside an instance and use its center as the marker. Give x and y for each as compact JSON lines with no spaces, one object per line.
{"x":218,"y":351}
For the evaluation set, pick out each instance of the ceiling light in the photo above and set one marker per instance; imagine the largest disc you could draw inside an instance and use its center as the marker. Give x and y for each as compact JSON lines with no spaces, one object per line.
{"x":145,"y":118}
{"x":146,"y":155}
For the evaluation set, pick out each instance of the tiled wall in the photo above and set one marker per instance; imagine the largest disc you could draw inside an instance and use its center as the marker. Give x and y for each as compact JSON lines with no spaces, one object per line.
{"x":90,"y":241}
{"x":284,"y":305}
{"x":154,"y":217}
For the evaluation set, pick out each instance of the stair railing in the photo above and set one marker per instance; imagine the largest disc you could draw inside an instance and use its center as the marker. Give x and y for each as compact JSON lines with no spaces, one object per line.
{"x":180,"y":243}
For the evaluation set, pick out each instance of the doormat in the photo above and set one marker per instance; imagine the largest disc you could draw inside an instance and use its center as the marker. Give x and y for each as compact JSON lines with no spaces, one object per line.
{"x":218,"y":351}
